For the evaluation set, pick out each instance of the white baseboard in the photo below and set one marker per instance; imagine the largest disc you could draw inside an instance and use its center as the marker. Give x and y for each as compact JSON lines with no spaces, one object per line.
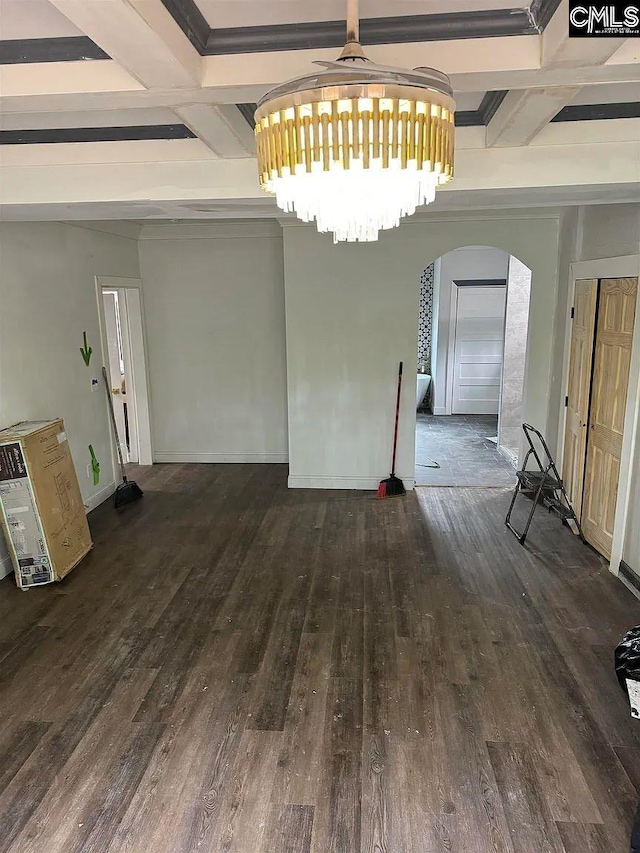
{"x":439,"y":410}
{"x":6,"y":567}
{"x":326,"y":481}
{"x":629,"y":586}
{"x":100,"y":497}
{"x":508,"y":455}
{"x":234,"y":458}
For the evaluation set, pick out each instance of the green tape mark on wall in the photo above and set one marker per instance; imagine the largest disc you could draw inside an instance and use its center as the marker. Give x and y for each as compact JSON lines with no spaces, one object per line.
{"x":95,"y":466}
{"x":86,"y":351}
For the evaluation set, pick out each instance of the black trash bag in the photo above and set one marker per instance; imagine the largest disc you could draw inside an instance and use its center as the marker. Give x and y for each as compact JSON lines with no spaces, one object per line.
{"x":627,"y":659}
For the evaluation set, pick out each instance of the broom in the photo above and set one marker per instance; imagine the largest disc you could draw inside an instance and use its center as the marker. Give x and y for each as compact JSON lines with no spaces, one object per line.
{"x":128,"y":490}
{"x":393,"y":485}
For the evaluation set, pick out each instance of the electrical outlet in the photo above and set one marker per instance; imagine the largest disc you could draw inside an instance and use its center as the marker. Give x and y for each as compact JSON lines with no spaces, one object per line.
{"x":94,"y":384}
{"x":89,"y":471}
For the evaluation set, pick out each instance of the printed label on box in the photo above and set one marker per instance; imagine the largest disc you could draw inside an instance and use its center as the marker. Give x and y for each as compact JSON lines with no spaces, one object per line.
{"x":12,"y":464}
{"x":633,"y":688}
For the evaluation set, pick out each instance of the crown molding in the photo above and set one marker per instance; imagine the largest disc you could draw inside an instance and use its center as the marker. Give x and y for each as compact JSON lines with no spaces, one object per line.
{"x":127,"y":229}
{"x":63,"y":49}
{"x":541,"y":12}
{"x":248,"y":113}
{"x":483,"y":23}
{"x":212,"y":229}
{"x":485,"y":112}
{"x":48,"y":136}
{"x":191,"y":21}
{"x":598,"y":112}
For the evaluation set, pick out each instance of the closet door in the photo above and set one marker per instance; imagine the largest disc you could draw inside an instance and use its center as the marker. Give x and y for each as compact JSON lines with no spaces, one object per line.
{"x":614,"y":333}
{"x":580,"y":363}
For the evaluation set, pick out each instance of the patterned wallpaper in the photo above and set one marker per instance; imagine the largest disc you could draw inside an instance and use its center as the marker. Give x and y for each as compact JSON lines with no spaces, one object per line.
{"x":425,"y":316}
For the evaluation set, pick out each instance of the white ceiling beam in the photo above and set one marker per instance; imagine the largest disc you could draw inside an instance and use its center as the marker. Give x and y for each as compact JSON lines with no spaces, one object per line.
{"x":586,"y":75}
{"x":160,"y":150}
{"x":69,"y":86}
{"x":513,"y":53}
{"x":145,"y":40}
{"x":239,"y":125}
{"x":222,"y":128}
{"x":560,"y":51}
{"x":583,"y":165}
{"x":627,"y":53}
{"x":39,"y":82}
{"x":141,"y":36}
{"x":523,"y":114}
{"x":83,"y":86}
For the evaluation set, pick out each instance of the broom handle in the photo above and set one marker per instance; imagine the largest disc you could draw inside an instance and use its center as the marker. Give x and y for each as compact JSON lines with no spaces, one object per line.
{"x":395,"y":431}
{"x":113,"y":423}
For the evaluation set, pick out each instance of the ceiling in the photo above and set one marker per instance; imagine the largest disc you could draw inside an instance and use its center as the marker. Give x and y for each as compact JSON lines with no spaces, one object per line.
{"x":33,"y":19}
{"x":252,"y":13}
{"x":145,"y":108}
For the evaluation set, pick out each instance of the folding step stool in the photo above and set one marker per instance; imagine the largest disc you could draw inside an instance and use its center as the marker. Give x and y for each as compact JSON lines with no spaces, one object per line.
{"x":544,"y":486}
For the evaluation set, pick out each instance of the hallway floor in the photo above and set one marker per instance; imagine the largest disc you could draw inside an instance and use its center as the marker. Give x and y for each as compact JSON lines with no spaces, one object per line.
{"x":460,"y":445}
{"x":242,"y":668}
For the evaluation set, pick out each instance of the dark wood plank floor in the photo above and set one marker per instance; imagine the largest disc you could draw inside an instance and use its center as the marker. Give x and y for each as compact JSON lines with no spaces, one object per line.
{"x":241,"y":668}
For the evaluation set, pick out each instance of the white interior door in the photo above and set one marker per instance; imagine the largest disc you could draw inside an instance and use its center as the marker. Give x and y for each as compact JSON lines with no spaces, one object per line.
{"x":115,"y":367}
{"x":478,"y":349}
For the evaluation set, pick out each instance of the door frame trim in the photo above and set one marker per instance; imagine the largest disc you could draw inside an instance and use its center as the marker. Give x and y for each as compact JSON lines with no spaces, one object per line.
{"x":108,"y":355}
{"x":142,"y":390}
{"x":621,"y":266}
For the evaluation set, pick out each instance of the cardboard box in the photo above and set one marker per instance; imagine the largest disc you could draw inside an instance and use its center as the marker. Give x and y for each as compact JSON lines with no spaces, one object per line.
{"x":41,"y":509}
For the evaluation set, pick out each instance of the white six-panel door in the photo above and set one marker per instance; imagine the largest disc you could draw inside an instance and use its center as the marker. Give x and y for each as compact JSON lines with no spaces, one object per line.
{"x":478,"y":325}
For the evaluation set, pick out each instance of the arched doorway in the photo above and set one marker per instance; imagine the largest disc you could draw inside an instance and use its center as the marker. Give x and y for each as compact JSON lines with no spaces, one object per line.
{"x":471,"y":361}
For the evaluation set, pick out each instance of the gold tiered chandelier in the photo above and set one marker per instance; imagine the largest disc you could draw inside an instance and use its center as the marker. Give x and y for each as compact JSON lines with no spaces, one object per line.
{"x":356,"y":146}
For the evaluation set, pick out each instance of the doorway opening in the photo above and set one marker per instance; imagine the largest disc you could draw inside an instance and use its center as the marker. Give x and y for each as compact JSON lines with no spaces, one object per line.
{"x":123,"y":349}
{"x":472,"y":344}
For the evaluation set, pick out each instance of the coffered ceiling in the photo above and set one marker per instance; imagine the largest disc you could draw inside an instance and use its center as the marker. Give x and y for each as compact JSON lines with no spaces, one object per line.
{"x":252,"y":13}
{"x":146,"y":105}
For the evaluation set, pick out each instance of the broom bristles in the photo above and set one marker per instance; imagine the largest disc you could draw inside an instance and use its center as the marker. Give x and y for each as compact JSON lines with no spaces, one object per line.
{"x":391,"y":487}
{"x":127,"y":492}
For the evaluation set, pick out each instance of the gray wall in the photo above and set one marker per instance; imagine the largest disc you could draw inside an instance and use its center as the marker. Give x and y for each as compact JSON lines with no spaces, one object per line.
{"x":609,"y":231}
{"x":351,"y":316}
{"x":214,"y":310}
{"x":47,"y":299}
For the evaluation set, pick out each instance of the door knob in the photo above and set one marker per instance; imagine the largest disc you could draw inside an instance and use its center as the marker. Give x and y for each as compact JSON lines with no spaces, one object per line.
{"x":115,"y":390}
